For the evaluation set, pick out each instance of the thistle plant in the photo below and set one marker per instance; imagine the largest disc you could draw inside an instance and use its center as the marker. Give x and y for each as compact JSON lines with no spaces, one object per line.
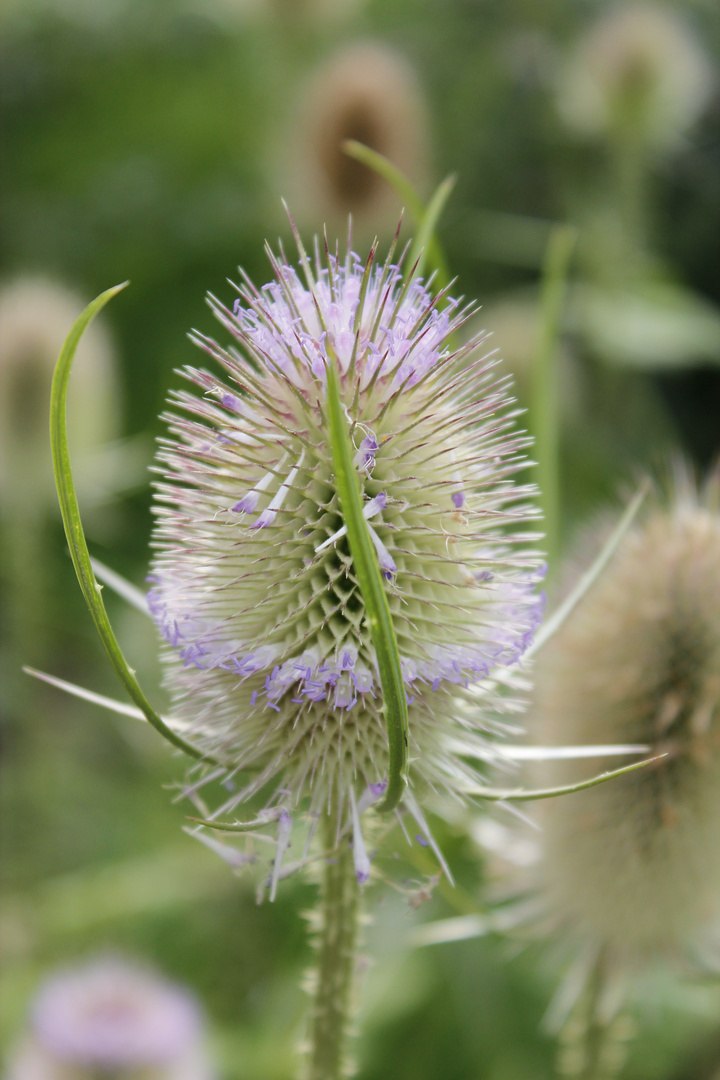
{"x":338,"y":559}
{"x":344,"y":575}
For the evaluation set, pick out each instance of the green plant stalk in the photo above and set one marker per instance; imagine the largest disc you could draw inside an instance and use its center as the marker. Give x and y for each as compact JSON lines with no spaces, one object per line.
{"x":372,"y":590}
{"x":425,"y":247}
{"x":336,"y":945}
{"x":588,"y":1045}
{"x":544,"y":412}
{"x":415,"y":206}
{"x":630,"y":172}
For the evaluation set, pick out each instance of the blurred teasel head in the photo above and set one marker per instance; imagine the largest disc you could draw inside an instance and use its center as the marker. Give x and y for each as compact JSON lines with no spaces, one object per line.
{"x":639,"y":70}
{"x":368,"y":93}
{"x":271,"y":658}
{"x":634,"y":865}
{"x":34,"y":316}
{"x":109,"y":1017}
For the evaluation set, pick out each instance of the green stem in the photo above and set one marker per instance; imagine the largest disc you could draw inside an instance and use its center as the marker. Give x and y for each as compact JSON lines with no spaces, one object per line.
{"x":592,"y":1049}
{"x":544,"y":413}
{"x":630,"y":168}
{"x":337,"y":942}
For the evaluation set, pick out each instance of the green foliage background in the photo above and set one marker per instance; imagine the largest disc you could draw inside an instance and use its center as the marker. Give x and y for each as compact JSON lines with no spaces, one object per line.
{"x":142,"y":141}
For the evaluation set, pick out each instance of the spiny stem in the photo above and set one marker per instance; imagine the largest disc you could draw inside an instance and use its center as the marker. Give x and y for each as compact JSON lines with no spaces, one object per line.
{"x":337,"y":942}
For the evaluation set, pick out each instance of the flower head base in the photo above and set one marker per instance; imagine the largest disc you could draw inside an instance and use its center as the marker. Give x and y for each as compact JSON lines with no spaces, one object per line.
{"x":270,"y":657}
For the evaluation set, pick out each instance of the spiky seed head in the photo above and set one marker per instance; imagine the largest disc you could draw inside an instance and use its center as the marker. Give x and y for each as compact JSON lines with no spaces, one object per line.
{"x":370,"y":93}
{"x":635,"y":863}
{"x":111,"y":1016}
{"x":639,"y":71}
{"x":269,"y":655}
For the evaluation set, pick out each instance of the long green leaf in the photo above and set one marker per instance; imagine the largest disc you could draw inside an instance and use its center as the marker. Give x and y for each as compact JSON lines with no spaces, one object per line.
{"x":70,"y":512}
{"x":544,"y":413}
{"x":423,"y":240}
{"x":372,"y":590}
{"x":410,"y":200}
{"x":551,"y":625}
{"x":389,"y":172}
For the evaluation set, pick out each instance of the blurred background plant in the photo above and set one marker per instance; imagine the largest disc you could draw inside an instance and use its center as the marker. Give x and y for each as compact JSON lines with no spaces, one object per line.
{"x":153,"y":142}
{"x":623,"y":880}
{"x":111,"y":1017}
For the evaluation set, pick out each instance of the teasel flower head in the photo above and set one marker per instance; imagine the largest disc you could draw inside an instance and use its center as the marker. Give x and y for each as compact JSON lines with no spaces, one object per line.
{"x":270,"y":658}
{"x":369,"y":93}
{"x":640,"y":69}
{"x":109,"y":1016}
{"x":633,"y":867}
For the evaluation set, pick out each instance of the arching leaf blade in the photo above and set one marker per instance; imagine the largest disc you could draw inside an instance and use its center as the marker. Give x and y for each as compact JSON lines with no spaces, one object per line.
{"x":382,"y":632}
{"x":75,"y":534}
{"x":422,"y":250}
{"x":410,"y":200}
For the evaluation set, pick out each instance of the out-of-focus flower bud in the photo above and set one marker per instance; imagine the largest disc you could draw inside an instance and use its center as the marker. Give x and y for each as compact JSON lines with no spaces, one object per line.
{"x":371,"y":94}
{"x":634,"y":865}
{"x":638,"y":70}
{"x":110,"y":1017}
{"x":35,"y":315}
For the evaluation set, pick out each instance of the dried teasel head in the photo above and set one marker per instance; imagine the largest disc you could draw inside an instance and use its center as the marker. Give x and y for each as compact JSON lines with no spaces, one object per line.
{"x":634,"y":865}
{"x":34,"y":316}
{"x":368,"y":93}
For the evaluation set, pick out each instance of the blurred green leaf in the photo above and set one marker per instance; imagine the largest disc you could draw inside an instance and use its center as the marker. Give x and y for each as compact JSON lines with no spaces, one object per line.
{"x":651,"y":325}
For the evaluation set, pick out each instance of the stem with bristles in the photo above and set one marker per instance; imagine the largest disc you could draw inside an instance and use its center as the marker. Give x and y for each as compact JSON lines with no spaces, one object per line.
{"x":336,"y":945}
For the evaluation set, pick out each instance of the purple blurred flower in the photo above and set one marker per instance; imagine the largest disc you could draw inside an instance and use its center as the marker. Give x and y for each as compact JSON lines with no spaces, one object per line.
{"x":112,"y":1016}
